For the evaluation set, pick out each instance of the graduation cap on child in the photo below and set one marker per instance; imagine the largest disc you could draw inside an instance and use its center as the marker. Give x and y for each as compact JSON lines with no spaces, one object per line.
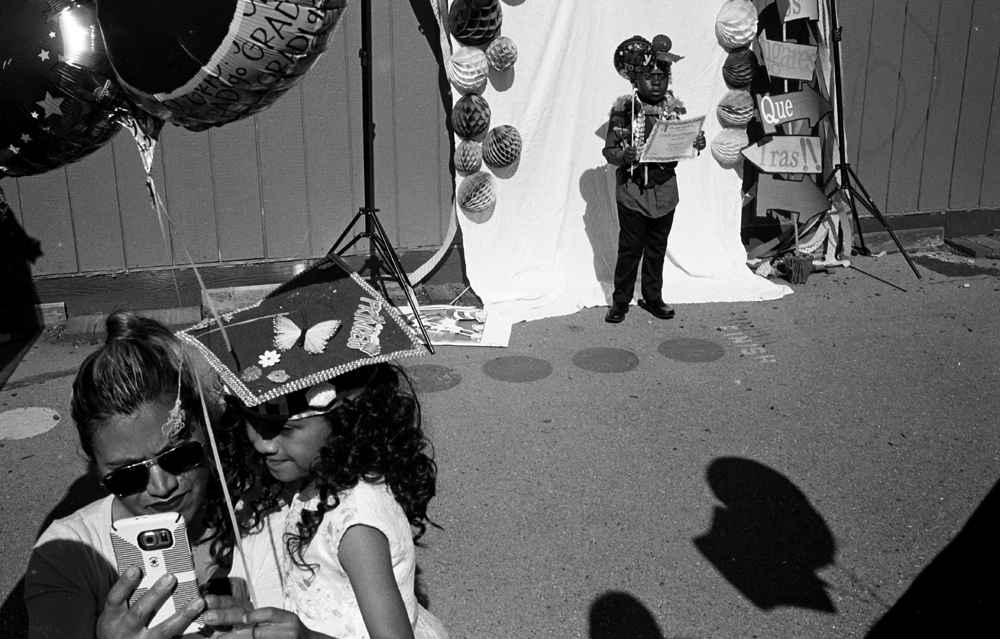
{"x":295,"y":352}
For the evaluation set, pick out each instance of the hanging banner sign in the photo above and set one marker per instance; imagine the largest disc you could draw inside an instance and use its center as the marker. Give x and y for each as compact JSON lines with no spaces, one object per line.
{"x":788,"y":60}
{"x":798,"y":9}
{"x":806,"y":104}
{"x":787,"y":154}
{"x":801,"y":196}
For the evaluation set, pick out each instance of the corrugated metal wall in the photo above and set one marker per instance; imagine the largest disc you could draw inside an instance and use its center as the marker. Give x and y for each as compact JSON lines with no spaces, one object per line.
{"x":283,"y":184}
{"x":920,"y":83}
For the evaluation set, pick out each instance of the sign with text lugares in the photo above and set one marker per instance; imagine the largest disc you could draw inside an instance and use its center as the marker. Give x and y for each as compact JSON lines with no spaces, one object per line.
{"x":788,"y":60}
{"x":787,"y":154}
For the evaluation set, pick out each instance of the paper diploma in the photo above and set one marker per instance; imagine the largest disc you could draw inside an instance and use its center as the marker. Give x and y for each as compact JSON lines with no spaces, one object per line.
{"x":672,"y":140}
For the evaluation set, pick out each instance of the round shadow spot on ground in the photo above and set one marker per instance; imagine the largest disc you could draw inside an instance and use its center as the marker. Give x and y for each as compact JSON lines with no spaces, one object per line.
{"x":606,"y":360}
{"x":517,"y":368}
{"x":431,"y":378}
{"x":691,"y":350}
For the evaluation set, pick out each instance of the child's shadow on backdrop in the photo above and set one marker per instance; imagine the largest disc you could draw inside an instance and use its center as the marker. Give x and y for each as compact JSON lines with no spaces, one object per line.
{"x":18,"y":251}
{"x":600,"y":219}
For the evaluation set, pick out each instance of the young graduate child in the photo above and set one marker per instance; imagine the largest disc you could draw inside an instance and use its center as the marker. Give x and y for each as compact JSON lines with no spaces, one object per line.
{"x":322,"y":441}
{"x":646,"y":194}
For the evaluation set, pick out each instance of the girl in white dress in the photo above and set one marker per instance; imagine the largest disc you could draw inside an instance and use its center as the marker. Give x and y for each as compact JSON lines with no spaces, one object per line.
{"x":339,"y":482}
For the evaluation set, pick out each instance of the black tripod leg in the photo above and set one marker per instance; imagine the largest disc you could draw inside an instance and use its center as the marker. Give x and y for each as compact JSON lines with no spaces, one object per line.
{"x":395,"y":269}
{"x":340,"y":239}
{"x":873,"y":209}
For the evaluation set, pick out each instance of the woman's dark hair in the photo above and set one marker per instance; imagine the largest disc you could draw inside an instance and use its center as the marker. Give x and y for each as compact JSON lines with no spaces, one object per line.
{"x":139,"y":364}
{"x":374,"y":436}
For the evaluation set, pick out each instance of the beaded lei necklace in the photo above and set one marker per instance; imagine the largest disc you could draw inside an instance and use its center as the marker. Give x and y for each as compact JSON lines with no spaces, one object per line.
{"x":670,"y":108}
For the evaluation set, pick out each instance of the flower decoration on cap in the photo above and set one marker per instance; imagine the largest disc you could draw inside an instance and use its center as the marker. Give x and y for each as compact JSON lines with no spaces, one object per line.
{"x":324,"y":298}
{"x":321,"y":395}
{"x":661,"y":46}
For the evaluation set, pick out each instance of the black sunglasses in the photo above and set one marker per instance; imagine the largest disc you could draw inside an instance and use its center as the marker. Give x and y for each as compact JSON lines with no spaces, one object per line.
{"x":133,"y":478}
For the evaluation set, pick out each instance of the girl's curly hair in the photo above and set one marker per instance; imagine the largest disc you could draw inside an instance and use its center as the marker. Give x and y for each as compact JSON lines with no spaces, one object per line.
{"x":374,"y":436}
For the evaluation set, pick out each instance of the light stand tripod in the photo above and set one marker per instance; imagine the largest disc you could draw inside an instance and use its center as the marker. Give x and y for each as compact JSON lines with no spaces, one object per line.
{"x":380,"y":252}
{"x":849,"y":184}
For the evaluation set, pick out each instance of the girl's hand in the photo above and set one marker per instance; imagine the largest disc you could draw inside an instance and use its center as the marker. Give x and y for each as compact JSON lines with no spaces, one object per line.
{"x":699,"y":142}
{"x":224,"y":612}
{"x":271,"y":623}
{"x":118,"y":621}
{"x":630,"y":155}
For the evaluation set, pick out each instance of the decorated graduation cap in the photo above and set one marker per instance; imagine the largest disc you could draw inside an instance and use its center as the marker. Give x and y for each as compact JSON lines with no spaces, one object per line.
{"x":661,"y":48}
{"x":295,"y":352}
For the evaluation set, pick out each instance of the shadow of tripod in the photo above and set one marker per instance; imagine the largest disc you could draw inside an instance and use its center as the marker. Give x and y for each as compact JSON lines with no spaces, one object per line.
{"x":849,"y":184}
{"x":381,"y":255}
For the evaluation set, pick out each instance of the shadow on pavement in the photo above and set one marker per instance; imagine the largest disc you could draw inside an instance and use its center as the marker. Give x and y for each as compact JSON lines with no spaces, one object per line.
{"x":13,"y":613}
{"x":766,"y":539}
{"x":957,"y":594}
{"x":18,"y":330}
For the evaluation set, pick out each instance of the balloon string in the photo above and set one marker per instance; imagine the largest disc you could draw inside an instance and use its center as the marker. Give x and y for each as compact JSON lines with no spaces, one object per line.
{"x":162,"y":214}
{"x":225,"y":493}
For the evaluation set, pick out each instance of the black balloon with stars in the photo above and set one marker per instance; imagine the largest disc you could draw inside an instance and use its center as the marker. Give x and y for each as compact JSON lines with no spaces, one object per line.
{"x":59,"y":100}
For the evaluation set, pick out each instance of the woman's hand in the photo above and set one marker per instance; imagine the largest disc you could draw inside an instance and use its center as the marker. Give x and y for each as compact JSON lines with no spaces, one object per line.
{"x":224,"y":613}
{"x":699,"y":142}
{"x":119,"y":621}
{"x":271,"y":623}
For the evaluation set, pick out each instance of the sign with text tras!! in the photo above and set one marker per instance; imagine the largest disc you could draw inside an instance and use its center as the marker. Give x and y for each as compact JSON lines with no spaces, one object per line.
{"x":787,"y":154}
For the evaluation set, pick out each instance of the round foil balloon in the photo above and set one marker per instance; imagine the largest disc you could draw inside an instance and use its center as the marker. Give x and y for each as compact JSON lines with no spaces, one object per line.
{"x":502,"y":53}
{"x":468,"y":70}
{"x":726,"y":147}
{"x":735,"y":109}
{"x":205,"y":63}
{"x":477,"y":192}
{"x":468,"y":156}
{"x":502,"y":146}
{"x":471,"y":116}
{"x":58,"y":94}
{"x":475,"y":22}
{"x":633,"y":56}
{"x":736,"y":24}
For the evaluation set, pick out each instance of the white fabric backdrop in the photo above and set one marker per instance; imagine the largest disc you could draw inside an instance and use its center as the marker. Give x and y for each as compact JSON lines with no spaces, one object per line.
{"x":548,"y":247}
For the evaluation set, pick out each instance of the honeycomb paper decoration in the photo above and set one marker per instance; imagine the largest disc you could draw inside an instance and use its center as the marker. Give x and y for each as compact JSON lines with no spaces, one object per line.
{"x":736,"y":108}
{"x":502,"y":53}
{"x":475,"y":22}
{"x":477,"y":192}
{"x":470,"y":116}
{"x":726,"y":147}
{"x":739,"y":68}
{"x":502,"y":146}
{"x":736,"y":24}
{"x":468,"y":70}
{"x":468,"y":156}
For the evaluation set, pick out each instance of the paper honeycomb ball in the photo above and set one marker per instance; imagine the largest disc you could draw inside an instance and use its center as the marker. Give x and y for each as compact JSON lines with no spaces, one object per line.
{"x":475,"y":22}
{"x":726,"y":147}
{"x":468,"y":70}
{"x":739,"y":68}
{"x":736,"y":108}
{"x":477,"y":192}
{"x":502,"y":53}
{"x":471,"y":116}
{"x":468,"y":156}
{"x":736,"y":24}
{"x":502,"y":146}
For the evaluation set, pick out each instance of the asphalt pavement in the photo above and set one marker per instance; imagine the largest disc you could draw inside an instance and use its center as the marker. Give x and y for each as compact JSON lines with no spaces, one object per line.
{"x":804,"y":467}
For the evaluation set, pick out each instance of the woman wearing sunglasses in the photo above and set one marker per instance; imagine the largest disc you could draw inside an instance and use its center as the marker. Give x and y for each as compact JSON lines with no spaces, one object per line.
{"x":138,"y":415}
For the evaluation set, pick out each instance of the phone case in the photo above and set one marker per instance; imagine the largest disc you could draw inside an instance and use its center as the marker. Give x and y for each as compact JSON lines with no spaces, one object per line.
{"x":157,"y":544}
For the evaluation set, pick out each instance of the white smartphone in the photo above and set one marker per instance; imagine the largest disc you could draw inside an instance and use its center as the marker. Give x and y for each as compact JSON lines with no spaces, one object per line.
{"x":157,"y":545}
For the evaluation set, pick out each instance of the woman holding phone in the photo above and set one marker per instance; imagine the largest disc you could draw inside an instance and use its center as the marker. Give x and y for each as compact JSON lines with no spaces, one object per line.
{"x":138,"y":413}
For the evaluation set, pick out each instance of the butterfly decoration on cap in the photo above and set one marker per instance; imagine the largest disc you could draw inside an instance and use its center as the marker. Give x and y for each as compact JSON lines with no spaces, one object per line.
{"x":287,"y":334}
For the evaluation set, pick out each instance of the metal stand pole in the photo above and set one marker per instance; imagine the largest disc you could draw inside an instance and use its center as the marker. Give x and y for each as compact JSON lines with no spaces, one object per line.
{"x":380,"y":252}
{"x":850,"y":185}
